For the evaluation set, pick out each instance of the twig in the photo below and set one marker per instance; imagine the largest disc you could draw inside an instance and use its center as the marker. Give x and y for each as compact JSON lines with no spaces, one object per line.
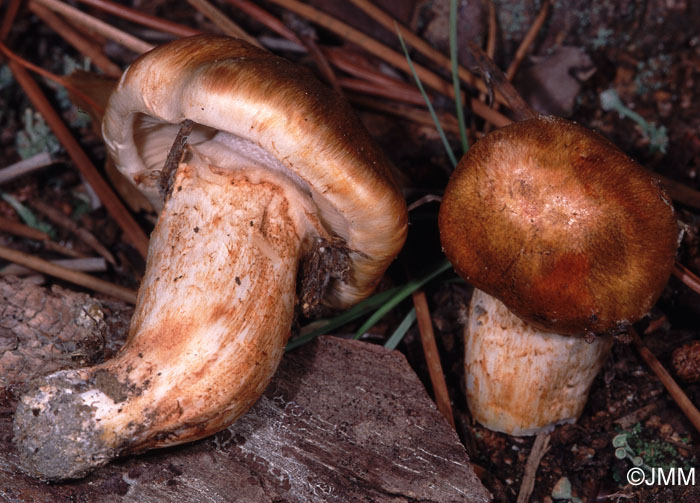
{"x":74,"y":38}
{"x":418,"y":43}
{"x":142,"y":18}
{"x":687,"y":276}
{"x":637,"y":416}
{"x":432,"y":357}
{"x":222,"y":21}
{"x":389,"y":55}
{"x":62,"y":220}
{"x":75,"y":277}
{"x":684,"y":403}
{"x":494,"y":74}
{"x":539,"y":449}
{"x":490,"y":51}
{"x":37,"y":161}
{"x":114,"y":206}
{"x":172,"y":160}
{"x":75,"y":15}
{"x":86,"y":264}
{"x":22,"y":230}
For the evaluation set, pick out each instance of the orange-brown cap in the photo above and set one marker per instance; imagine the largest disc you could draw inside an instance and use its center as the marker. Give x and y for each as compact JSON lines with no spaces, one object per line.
{"x":560,"y":225}
{"x":246,"y":102}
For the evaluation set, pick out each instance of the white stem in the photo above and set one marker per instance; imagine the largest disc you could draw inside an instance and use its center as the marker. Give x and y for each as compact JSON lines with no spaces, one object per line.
{"x":212,"y":319}
{"x":521,"y":380}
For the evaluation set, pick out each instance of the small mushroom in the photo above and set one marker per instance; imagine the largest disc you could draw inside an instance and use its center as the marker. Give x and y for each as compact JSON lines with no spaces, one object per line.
{"x":277,"y":179}
{"x":574,"y":239}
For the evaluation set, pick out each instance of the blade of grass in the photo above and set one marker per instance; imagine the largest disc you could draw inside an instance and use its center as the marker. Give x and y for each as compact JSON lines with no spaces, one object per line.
{"x":360,"y":309}
{"x":455,"y":76}
{"x":401,"y":330}
{"x":445,"y":143}
{"x":404,"y":292}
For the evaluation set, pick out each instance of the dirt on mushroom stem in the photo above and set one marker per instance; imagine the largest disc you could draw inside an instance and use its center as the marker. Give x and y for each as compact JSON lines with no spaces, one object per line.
{"x":210,"y":326}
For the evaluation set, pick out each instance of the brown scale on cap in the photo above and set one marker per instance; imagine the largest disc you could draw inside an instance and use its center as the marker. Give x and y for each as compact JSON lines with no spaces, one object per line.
{"x":560,"y":225}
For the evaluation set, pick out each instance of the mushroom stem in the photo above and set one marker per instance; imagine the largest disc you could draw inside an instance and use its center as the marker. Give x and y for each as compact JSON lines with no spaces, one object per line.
{"x":522,"y":380}
{"x":211,"y":322}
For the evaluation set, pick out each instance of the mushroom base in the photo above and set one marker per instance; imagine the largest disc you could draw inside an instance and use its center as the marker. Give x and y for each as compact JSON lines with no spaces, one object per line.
{"x":213,"y":316}
{"x":521,"y":380}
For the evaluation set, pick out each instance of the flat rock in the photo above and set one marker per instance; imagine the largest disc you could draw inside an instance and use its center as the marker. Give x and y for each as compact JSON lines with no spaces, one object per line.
{"x":342,"y":421}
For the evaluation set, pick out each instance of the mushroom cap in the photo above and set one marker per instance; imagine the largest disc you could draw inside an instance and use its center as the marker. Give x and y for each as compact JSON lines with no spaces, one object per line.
{"x":253,"y":108}
{"x":560,"y":225}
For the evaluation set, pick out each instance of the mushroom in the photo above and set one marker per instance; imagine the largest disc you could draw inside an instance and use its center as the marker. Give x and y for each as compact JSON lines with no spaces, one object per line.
{"x":564,"y":237}
{"x":277,"y":179}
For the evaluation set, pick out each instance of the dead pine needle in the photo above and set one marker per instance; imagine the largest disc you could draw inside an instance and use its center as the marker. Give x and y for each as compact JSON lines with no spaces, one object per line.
{"x":527,"y":41}
{"x":59,"y":218}
{"x":92,"y":23}
{"x":267,"y":19}
{"x":432,"y":357}
{"x":87,"y":264}
{"x":23,"y":63}
{"x":221,"y":20}
{"x":687,"y":276}
{"x":416,"y":42}
{"x":19,"y":229}
{"x":83,"y":45}
{"x":142,"y":18}
{"x":678,"y":395}
{"x":76,"y":277}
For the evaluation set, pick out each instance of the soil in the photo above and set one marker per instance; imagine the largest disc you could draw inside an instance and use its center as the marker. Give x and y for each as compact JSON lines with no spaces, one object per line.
{"x":647,"y":51}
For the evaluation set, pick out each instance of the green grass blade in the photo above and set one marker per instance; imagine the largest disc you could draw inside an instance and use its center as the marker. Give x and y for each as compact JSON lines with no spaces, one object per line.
{"x":360,"y":309}
{"x":441,"y":132}
{"x":401,"y":330}
{"x":404,"y":292}
{"x":455,"y":76}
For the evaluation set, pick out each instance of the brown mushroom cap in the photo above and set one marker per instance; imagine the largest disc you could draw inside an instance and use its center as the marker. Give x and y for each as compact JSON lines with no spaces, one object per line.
{"x":247,"y":103}
{"x":560,"y":225}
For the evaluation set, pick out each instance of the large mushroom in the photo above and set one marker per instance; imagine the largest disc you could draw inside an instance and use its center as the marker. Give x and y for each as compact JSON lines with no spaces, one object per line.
{"x":277,"y":180}
{"x":564,"y":237}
